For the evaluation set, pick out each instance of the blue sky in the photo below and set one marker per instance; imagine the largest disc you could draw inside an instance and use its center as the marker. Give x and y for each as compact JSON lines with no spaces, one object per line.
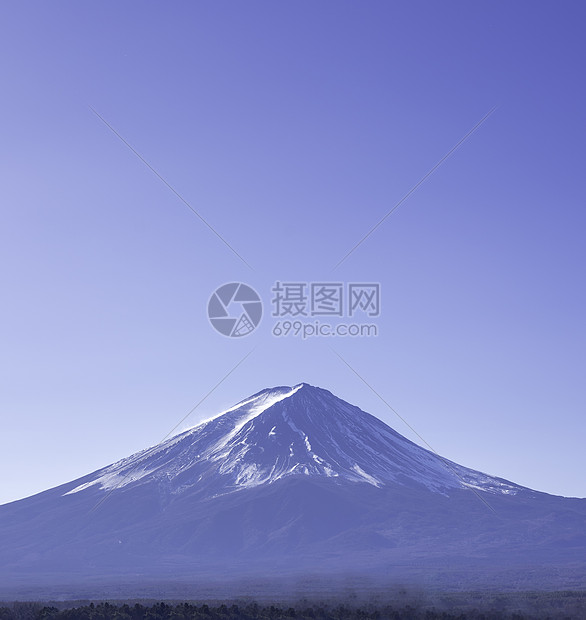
{"x":292,"y":128}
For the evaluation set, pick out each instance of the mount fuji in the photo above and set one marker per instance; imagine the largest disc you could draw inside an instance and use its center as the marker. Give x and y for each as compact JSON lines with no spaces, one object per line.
{"x":291,"y":481}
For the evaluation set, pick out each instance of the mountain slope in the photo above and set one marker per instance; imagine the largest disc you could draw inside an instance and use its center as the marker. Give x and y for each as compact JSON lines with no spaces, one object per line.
{"x":284,"y":432}
{"x":289,"y":480}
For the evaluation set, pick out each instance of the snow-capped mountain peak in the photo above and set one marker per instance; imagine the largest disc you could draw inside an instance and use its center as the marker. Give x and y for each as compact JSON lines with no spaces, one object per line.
{"x":283,"y":432}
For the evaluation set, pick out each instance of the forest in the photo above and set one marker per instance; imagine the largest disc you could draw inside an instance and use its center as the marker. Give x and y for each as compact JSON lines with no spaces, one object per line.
{"x":251,"y":611}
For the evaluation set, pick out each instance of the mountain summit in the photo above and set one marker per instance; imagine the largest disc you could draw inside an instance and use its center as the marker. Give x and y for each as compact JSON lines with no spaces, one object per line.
{"x":290,"y":480}
{"x":284,"y":432}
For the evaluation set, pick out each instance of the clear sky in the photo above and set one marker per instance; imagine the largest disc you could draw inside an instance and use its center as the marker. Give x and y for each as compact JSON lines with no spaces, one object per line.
{"x":292,"y":128}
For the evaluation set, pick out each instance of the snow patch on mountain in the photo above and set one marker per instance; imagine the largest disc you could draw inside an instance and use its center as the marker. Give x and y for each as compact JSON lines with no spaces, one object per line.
{"x":370,"y":479}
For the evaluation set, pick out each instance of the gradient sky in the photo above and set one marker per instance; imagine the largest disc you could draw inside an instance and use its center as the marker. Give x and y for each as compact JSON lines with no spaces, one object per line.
{"x":292,"y":128}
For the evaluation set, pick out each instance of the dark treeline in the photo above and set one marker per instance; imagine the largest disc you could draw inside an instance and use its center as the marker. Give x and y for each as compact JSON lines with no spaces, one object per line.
{"x":253,"y":611}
